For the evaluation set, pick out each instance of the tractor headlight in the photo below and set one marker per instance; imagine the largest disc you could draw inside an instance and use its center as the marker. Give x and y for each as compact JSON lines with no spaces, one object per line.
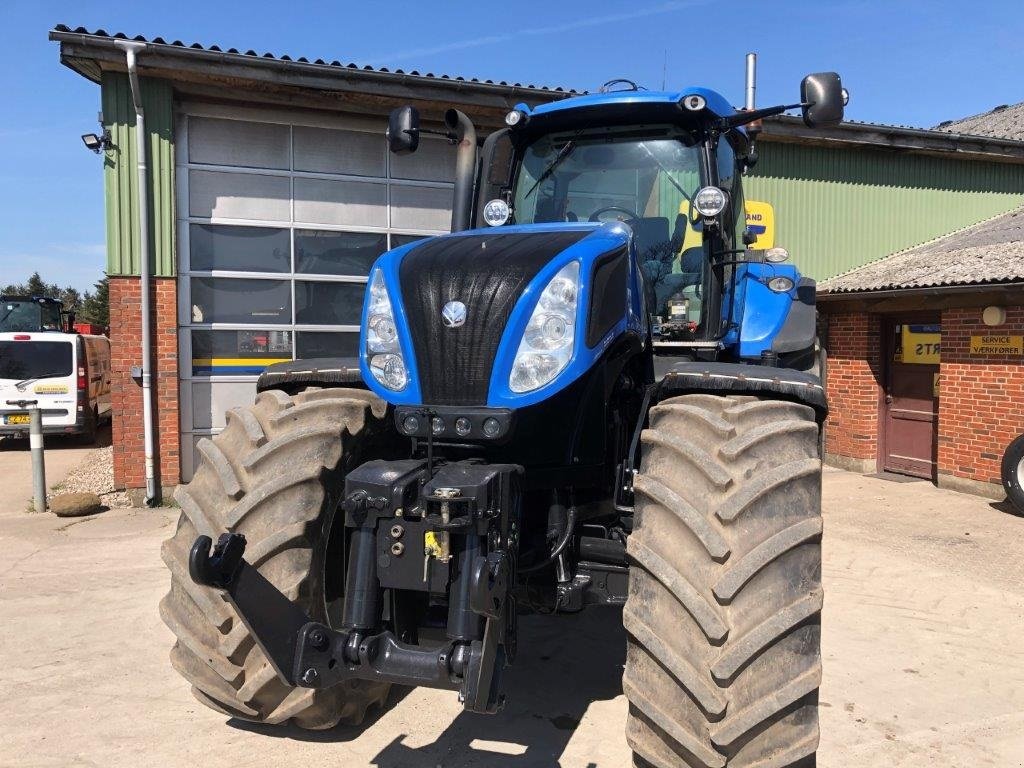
{"x":384,"y":354}
{"x":776,"y":255}
{"x":780,"y":284}
{"x":550,"y":336}
{"x":710,"y":201}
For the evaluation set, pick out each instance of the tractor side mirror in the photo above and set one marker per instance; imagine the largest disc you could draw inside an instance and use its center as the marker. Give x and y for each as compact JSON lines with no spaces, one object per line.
{"x":823,"y":98}
{"x":404,"y":130}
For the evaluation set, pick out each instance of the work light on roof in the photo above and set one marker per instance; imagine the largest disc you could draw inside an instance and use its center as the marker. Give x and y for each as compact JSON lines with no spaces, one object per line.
{"x":514,"y":118}
{"x":694,"y":103}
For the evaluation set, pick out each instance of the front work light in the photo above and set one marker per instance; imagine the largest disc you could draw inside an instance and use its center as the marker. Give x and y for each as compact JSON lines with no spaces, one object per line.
{"x":550,"y":336}
{"x":776,"y":255}
{"x":710,"y":201}
{"x":496,"y":212}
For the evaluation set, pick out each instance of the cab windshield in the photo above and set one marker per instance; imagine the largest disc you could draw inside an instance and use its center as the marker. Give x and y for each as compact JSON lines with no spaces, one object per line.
{"x":642,"y":176}
{"x":28,"y":315}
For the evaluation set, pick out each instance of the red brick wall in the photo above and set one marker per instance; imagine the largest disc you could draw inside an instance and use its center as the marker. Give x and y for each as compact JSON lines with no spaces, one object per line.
{"x":981,"y":399}
{"x":854,"y":380}
{"x":126,"y":351}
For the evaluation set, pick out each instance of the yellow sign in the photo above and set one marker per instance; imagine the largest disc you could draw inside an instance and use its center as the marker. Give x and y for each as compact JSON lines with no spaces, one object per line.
{"x":50,"y":389}
{"x":760,"y":219}
{"x":997,"y":345}
{"x":921,"y":344}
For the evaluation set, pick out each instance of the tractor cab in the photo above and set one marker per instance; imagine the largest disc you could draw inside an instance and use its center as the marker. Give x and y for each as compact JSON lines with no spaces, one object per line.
{"x":31,"y":314}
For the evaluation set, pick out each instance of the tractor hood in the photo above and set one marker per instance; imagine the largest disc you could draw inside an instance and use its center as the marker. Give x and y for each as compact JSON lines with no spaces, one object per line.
{"x":461,"y":304}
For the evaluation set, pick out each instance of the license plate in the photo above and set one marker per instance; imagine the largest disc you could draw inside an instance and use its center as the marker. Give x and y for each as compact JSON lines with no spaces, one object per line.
{"x":18,"y":418}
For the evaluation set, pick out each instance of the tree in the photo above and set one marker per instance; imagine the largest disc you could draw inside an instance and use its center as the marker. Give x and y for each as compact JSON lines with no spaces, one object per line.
{"x":96,"y":305}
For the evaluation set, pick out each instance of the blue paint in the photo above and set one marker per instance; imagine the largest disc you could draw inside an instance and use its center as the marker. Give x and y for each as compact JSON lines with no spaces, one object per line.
{"x":716,"y":103}
{"x":760,"y":311}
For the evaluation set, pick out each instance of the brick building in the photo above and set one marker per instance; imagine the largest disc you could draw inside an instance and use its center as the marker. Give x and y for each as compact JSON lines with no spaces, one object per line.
{"x":926,"y":358}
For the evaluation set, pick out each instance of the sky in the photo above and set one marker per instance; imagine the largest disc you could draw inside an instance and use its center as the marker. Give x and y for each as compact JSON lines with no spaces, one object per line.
{"x":906,"y":63}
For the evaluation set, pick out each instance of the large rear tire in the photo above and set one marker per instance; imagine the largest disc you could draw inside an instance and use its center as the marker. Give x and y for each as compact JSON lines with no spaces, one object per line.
{"x":724,"y":609}
{"x":275,"y":474}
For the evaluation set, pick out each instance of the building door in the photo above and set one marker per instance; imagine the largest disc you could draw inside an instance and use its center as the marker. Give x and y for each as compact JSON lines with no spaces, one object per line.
{"x":909,"y":414}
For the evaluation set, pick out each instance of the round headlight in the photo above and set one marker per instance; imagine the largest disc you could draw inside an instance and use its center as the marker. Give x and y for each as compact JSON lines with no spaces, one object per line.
{"x":491,"y":427}
{"x":514,"y":118}
{"x":496,"y":212}
{"x":710,"y":201}
{"x":437,"y":425}
{"x":390,"y":371}
{"x":776,"y":255}
{"x":410,"y":425}
{"x":463,"y":426}
{"x":780,"y":284}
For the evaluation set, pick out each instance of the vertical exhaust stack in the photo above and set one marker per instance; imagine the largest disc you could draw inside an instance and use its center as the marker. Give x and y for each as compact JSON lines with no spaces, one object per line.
{"x":461,"y":129}
{"x":751,"y":88}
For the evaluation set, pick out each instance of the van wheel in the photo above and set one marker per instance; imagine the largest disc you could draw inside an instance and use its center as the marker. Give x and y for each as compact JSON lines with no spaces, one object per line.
{"x":88,"y":435}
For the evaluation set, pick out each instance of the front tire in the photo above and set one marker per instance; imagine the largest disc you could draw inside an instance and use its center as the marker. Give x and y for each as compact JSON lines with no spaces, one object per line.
{"x":1013,"y":473}
{"x":724,"y":610}
{"x":275,"y":474}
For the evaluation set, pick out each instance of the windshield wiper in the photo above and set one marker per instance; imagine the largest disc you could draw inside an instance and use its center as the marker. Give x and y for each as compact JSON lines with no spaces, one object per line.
{"x":668,"y":175}
{"x":29,"y":380}
{"x":563,"y":153}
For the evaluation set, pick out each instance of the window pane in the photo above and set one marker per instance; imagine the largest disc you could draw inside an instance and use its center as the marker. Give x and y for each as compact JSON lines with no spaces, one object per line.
{"x":237,"y":142}
{"x":325,"y":150}
{"x":421,"y":208}
{"x":325,"y":344}
{"x":323,"y":201}
{"x":328,"y":303}
{"x":255,"y":249}
{"x":238,"y":353}
{"x":231,"y":300}
{"x":239,"y":196}
{"x":212,"y":399}
{"x":337,"y":253}
{"x":398,"y":240}
{"x":34,"y":359}
{"x":433,"y":161}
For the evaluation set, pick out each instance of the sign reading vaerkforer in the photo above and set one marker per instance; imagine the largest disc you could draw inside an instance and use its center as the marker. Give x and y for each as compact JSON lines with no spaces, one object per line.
{"x":997,"y":345}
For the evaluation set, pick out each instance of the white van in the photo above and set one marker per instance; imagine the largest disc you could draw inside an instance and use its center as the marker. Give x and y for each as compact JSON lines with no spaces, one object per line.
{"x":67,"y":373}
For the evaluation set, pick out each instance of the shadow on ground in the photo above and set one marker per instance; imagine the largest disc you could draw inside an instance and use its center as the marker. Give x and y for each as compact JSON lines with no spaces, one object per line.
{"x":564,"y":664}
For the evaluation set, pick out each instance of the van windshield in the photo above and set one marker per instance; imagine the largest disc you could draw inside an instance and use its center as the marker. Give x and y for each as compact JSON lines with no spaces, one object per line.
{"x":21,"y":360}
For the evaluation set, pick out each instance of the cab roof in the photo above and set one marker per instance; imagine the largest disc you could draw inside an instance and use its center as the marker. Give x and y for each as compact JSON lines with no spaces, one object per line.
{"x":716,"y":103}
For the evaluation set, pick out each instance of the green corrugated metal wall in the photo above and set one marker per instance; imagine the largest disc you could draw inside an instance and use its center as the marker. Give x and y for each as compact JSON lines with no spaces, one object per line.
{"x":836,"y":209}
{"x":120,"y":175}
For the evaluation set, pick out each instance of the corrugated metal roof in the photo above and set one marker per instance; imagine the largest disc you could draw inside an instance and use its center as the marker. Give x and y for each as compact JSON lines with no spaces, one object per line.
{"x":1005,"y":121}
{"x":985,"y":253}
{"x":63,"y":28}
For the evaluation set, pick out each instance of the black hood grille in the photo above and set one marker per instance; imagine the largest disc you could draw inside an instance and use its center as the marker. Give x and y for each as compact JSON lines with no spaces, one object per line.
{"x":487,"y":273}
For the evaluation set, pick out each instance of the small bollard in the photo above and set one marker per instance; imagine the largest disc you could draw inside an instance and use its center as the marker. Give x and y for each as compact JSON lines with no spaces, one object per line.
{"x":35,"y":444}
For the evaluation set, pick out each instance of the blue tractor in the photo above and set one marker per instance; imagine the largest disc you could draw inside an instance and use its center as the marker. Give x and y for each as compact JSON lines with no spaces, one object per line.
{"x":593,"y":392}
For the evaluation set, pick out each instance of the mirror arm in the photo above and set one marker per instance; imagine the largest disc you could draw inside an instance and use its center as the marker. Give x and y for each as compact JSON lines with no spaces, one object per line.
{"x":450,"y":135}
{"x":742,"y":118}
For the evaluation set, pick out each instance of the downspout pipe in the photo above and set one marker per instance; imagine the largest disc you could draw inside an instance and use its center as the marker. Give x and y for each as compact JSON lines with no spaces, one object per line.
{"x":131,"y":50}
{"x":461,"y":127}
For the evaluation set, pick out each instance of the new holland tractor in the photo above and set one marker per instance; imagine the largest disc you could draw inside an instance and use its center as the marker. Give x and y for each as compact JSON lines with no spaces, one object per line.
{"x":593,"y":392}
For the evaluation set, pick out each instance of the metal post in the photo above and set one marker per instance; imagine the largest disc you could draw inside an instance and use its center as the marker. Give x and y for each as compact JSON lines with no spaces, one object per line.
{"x":35,"y":443}
{"x":751,"y":84}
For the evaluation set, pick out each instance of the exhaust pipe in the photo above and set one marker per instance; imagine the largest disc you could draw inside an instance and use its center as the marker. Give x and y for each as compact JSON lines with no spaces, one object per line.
{"x":461,"y":127}
{"x":131,"y":49}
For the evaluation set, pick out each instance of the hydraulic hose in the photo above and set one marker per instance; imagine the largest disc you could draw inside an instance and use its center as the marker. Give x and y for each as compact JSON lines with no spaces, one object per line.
{"x":559,"y":548}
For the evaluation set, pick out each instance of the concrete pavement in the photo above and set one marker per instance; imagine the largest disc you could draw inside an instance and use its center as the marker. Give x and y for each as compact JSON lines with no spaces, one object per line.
{"x":923,"y":660}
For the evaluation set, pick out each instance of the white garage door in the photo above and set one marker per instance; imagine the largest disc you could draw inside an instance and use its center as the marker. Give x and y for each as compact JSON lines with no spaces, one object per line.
{"x":279,"y":219}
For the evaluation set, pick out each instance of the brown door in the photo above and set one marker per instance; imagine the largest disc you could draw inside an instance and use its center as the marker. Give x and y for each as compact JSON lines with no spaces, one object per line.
{"x":910,"y":410}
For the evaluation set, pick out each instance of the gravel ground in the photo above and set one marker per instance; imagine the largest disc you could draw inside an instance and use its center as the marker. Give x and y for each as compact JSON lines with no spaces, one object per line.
{"x":94,"y":475}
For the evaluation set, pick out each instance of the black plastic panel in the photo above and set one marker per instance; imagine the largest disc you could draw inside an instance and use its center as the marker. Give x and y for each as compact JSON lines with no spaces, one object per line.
{"x":608,"y":296}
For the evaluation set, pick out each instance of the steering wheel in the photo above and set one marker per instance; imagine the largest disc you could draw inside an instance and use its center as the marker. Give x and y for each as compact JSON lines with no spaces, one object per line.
{"x":596,"y":215}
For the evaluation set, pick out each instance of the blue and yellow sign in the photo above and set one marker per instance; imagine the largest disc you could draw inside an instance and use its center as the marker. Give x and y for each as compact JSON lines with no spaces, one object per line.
{"x":921,"y":344}
{"x":760,"y":218}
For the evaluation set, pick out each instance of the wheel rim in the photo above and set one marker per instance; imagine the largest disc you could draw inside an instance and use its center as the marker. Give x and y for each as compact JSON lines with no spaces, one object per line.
{"x":1020,"y":473}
